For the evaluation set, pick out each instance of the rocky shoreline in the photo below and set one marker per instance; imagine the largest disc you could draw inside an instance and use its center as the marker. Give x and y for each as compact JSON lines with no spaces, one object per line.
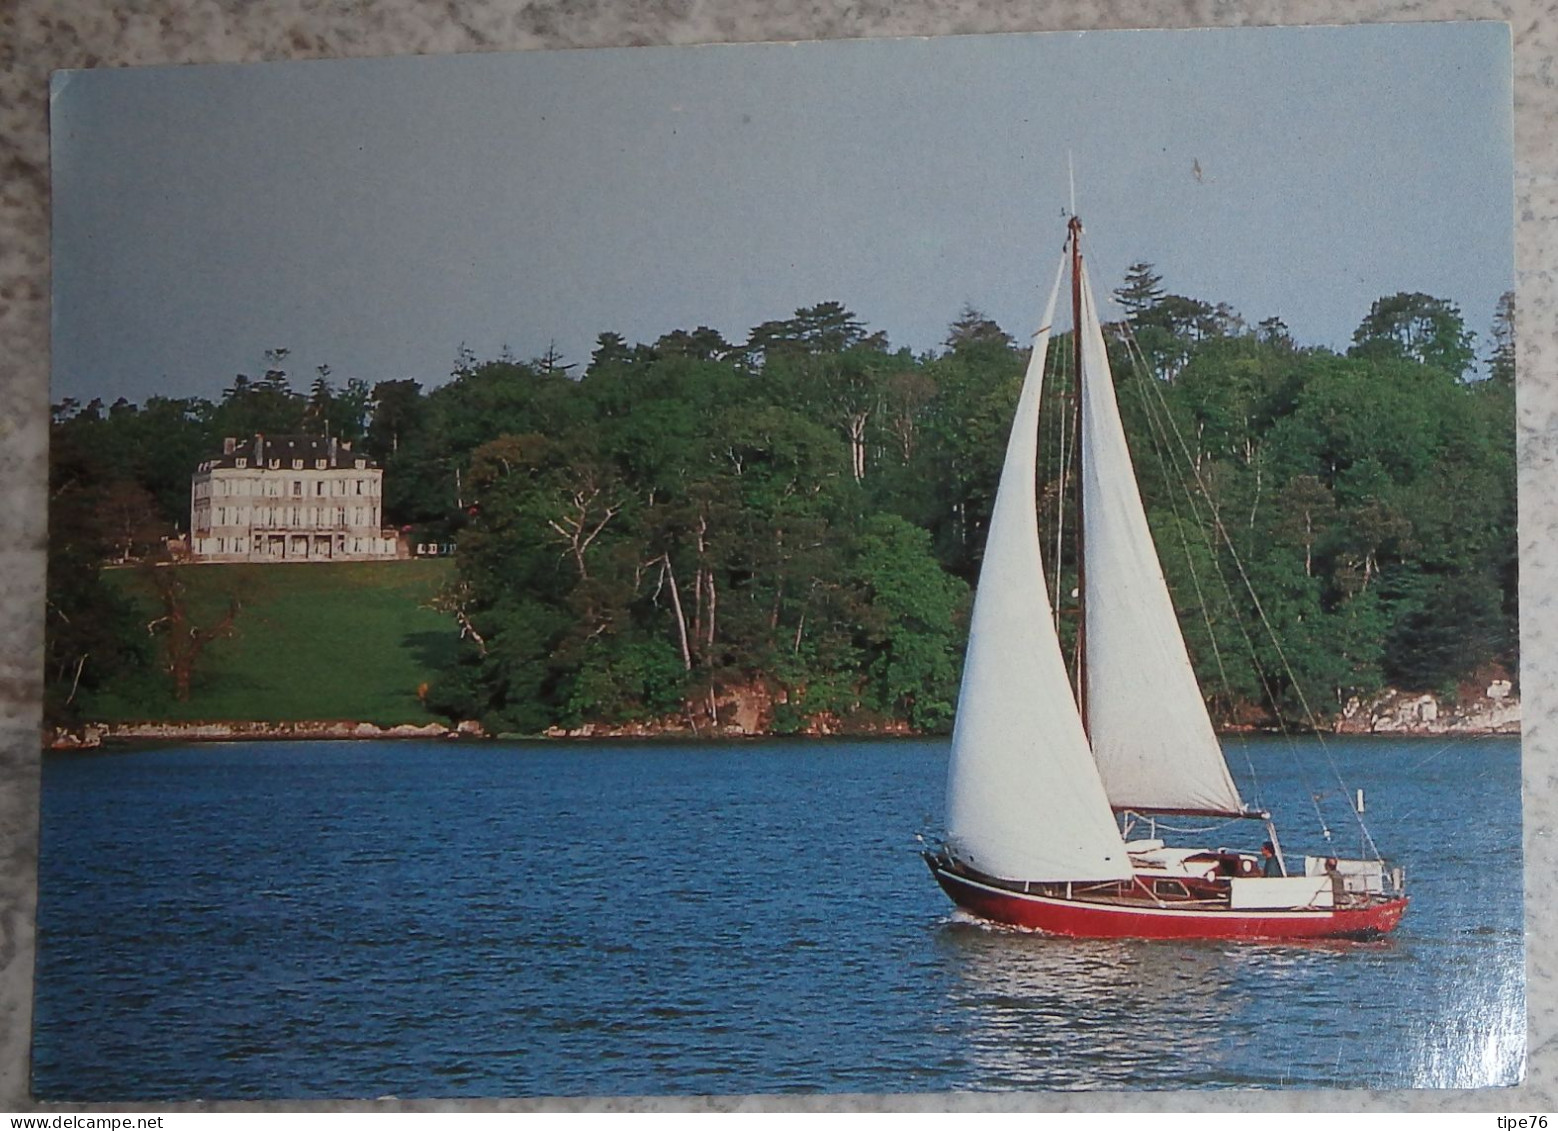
{"x":1496,"y":711}
{"x":1390,"y":713}
{"x":94,"y":735}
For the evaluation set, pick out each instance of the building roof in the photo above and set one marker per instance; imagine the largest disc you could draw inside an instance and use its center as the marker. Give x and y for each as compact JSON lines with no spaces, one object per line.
{"x":280,"y":452}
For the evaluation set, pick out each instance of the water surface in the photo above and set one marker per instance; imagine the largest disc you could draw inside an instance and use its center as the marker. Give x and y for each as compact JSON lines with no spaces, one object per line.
{"x":267,"y":920}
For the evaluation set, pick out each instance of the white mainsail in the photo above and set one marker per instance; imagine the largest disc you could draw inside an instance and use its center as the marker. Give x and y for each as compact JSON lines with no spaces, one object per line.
{"x":1151,"y":736}
{"x":1024,"y":800}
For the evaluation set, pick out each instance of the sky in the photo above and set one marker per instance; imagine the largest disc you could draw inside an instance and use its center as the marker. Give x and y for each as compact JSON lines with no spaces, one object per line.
{"x":376,"y":215}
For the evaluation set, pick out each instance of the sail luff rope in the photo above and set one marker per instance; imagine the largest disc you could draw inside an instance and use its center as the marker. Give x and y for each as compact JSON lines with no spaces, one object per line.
{"x":1074,"y":228}
{"x":1056,"y":362}
{"x":1303,"y":699}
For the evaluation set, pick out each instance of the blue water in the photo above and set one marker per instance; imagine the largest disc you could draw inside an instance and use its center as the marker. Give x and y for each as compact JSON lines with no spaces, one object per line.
{"x":269,"y":920}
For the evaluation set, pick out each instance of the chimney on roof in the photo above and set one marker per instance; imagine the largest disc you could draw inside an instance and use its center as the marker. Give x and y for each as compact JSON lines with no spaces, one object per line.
{"x":334,"y":447}
{"x":259,"y":449}
{"x":228,"y":444}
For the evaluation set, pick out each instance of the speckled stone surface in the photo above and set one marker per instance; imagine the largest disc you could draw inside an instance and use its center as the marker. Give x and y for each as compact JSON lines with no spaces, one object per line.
{"x":39,"y":36}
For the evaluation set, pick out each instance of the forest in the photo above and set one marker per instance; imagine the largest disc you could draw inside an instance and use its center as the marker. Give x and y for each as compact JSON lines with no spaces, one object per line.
{"x":799,"y":517}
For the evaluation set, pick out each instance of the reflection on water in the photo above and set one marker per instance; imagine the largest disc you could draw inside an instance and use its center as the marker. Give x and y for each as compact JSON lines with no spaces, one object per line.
{"x":1406,"y":1011}
{"x":1076,"y":1013}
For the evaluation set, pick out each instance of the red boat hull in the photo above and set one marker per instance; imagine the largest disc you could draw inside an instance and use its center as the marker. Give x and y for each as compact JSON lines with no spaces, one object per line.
{"x":1085,"y":919}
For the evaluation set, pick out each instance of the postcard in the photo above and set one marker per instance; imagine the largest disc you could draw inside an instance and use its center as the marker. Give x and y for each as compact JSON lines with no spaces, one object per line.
{"x":880,"y":566}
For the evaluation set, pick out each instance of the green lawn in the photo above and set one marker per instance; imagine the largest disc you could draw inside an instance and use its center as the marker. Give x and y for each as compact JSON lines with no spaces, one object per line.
{"x":330,"y":641}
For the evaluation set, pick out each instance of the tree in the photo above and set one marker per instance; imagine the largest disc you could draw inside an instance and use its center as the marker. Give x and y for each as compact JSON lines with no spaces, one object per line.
{"x":395,"y":412}
{"x":1306,"y":509}
{"x":183,"y":640}
{"x":550,"y":363}
{"x":842,"y":390}
{"x":268,"y":405}
{"x":321,"y":402}
{"x":1274,"y":332}
{"x":128,"y":515}
{"x":1419,"y":328}
{"x":90,"y":628}
{"x":1141,"y":291}
{"x":704,"y":343}
{"x":912,"y":623}
{"x":349,"y":413}
{"x":1447,"y":626}
{"x":907,"y":397}
{"x":972,"y":328}
{"x":1191,"y":319}
{"x":1501,"y":360}
{"x":827,"y":327}
{"x":683,"y":524}
{"x":611,"y":351}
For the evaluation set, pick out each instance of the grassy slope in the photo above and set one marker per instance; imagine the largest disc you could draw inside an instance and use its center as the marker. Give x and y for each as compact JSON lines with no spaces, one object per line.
{"x":344,"y":640}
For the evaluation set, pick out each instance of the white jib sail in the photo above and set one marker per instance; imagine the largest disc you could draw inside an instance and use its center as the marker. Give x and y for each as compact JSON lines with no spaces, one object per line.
{"x":1024,"y":800}
{"x":1147,"y":721}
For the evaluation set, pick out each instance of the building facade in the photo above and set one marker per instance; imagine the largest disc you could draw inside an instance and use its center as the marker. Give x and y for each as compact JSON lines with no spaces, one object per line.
{"x":288,"y":498}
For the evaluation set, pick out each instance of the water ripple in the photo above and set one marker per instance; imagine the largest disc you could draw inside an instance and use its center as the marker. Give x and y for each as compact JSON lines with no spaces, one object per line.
{"x":301,"y":920}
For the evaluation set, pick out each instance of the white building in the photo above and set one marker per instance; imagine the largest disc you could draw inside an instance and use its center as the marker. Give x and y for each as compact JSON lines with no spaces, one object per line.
{"x":288,"y":498}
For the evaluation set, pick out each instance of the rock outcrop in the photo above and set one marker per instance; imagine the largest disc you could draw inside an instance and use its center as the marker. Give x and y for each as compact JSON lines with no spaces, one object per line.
{"x":1494,"y":711}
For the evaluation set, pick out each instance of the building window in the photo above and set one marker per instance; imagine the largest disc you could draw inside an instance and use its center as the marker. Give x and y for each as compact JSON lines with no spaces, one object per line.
{"x":297,"y":465}
{"x":319,"y":487}
{"x":320,"y":464}
{"x":275,"y":463}
{"x":359,"y":486}
{"x":242,"y":462}
{"x":297,"y":488}
{"x":362,"y":463}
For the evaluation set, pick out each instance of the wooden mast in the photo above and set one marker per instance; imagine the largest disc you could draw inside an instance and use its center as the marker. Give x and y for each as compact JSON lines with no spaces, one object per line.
{"x":1074,"y":229}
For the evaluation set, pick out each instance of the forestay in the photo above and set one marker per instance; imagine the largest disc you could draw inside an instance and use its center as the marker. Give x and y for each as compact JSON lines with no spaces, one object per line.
{"x":1150,"y":732}
{"x":1024,"y":798}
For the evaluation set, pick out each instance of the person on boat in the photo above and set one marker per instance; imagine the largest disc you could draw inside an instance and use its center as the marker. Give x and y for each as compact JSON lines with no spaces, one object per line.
{"x":1338,"y":886}
{"x":1270,"y":868}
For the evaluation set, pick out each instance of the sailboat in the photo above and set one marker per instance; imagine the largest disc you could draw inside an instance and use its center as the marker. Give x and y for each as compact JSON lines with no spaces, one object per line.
{"x":1048,"y":783}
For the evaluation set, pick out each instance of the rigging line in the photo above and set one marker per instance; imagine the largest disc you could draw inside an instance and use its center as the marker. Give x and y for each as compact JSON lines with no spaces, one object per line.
{"x":1158,"y":435}
{"x":1139,"y":362}
{"x":1448,"y":746}
{"x":1287,"y":667}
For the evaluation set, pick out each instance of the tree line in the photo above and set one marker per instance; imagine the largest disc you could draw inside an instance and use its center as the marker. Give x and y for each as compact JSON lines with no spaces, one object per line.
{"x":798,"y":518}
